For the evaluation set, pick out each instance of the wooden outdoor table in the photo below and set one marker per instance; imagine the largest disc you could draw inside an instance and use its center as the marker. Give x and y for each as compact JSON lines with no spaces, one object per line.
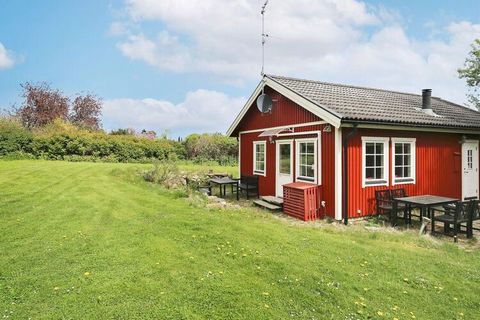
{"x":223,"y":182}
{"x":424,"y":202}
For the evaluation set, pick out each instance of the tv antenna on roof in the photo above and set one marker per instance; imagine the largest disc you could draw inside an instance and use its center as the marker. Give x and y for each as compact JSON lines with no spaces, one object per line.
{"x":264,"y":36}
{"x":264,"y":102}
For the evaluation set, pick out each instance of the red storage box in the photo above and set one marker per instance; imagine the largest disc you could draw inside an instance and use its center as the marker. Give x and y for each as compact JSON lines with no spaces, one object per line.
{"x":301,"y":200}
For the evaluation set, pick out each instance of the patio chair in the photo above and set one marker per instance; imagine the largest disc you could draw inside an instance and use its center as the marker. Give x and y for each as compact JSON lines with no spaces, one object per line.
{"x":464,"y":214}
{"x":401,"y":207}
{"x":384,"y":204}
{"x":248,"y":184}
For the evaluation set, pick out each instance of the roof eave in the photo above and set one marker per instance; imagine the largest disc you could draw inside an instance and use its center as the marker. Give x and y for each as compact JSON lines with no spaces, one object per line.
{"x":371,"y":124}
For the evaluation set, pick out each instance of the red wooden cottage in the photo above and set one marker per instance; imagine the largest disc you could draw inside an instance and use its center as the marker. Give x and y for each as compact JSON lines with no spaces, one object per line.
{"x":347,"y":141}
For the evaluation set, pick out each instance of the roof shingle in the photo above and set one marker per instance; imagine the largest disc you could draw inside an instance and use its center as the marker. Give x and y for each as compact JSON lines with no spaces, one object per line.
{"x":352,"y":103}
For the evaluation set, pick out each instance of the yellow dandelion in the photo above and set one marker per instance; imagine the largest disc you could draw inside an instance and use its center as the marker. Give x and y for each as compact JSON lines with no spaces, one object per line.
{"x":265,"y":293}
{"x":87,"y":274}
{"x":56,"y":288}
{"x":266,"y":306}
{"x":380,"y":313}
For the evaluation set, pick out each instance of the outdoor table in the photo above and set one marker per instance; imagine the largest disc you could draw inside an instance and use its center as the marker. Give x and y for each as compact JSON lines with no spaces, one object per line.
{"x":223,"y":182}
{"x":424,"y":202}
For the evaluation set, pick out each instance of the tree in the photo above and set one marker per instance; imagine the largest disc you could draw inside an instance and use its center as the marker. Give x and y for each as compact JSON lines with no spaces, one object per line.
{"x":86,"y":112}
{"x":41,"y":105}
{"x":471,"y":72}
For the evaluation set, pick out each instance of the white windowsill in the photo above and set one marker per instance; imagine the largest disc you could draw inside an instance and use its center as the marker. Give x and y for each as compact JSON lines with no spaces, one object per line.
{"x":375,"y":183}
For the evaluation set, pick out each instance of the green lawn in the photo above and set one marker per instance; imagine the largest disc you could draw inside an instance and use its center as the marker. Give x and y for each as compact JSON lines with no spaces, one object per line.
{"x":93,"y":241}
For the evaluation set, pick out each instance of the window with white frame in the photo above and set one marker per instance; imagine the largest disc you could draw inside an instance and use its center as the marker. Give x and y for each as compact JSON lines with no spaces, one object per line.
{"x":307,"y":160}
{"x":375,"y":161}
{"x":403,"y":157}
{"x":259,"y":150}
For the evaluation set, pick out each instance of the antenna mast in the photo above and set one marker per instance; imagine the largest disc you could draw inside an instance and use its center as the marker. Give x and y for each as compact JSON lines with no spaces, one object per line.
{"x":264,"y":36}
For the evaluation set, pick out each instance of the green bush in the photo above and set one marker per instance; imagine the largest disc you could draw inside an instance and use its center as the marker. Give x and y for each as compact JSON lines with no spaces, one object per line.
{"x":13,"y":137}
{"x":61,"y":140}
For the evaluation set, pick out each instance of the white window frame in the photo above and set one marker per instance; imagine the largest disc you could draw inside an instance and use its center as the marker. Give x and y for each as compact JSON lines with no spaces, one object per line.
{"x":316,"y":170}
{"x":378,"y":182}
{"x":412,"y":179}
{"x":255,"y":171}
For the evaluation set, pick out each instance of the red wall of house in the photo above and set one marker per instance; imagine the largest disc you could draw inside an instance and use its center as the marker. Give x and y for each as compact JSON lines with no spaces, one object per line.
{"x":438,"y":168}
{"x":285,"y":112}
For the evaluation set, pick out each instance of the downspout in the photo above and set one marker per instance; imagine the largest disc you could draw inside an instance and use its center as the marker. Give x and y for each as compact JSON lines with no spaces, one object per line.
{"x":345,"y":173}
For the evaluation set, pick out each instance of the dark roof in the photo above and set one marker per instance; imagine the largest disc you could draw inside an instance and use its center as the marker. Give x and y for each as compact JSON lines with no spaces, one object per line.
{"x":352,"y":103}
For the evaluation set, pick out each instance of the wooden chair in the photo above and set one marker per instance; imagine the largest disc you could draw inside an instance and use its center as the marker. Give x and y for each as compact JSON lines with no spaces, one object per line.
{"x":248,"y":184}
{"x":384,"y":204}
{"x":400,"y":193}
{"x":464,"y":213}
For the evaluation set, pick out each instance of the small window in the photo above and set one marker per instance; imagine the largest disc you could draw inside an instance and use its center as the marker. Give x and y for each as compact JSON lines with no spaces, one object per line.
{"x":403,"y":158}
{"x":284,"y":161}
{"x":470,"y":159}
{"x":259,"y":148}
{"x":307,"y":160}
{"x":375,"y":161}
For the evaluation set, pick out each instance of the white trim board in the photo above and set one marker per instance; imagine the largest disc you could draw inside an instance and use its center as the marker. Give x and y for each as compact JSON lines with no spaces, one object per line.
{"x":411,"y":128}
{"x":298,"y":125}
{"x":338,"y":174}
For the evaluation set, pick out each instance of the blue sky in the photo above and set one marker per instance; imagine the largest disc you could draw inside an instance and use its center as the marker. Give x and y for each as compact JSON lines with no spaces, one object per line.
{"x":187,"y":66}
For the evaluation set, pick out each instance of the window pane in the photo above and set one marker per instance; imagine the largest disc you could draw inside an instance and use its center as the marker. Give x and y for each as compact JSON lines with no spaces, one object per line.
{"x":369,"y":161}
{"x":379,"y":148}
{"x":369,"y":148}
{"x":310,"y":147}
{"x":406,"y":160}
{"x":398,"y":148}
{"x":379,"y":173}
{"x":284,"y":159}
{"x":303,"y":159}
{"x":406,"y":148}
{"x":310,"y":171}
{"x":310,"y":159}
{"x":379,"y":161}
{"x":406,"y":172}
{"x":399,"y":172}
{"x":369,"y":173}
{"x":398,"y":160}
{"x":303,"y":171}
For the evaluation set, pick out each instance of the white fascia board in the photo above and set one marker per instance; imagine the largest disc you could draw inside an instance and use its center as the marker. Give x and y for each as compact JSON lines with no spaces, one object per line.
{"x":321,"y":112}
{"x":245,"y":108}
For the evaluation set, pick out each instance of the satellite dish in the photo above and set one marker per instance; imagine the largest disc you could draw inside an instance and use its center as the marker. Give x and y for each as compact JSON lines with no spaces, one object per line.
{"x":264,"y":103}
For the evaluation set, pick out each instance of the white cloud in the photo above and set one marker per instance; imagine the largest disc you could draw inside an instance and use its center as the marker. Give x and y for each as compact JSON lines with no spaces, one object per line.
{"x":6,"y":58}
{"x":333,"y":40}
{"x":201,"y":111}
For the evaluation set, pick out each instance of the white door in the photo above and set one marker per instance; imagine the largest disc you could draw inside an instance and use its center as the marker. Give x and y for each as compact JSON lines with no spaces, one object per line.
{"x":284,"y":165}
{"x":470,"y":169}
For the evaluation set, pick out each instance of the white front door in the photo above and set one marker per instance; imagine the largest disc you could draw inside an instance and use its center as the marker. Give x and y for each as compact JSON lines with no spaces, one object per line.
{"x":470,"y":169}
{"x":284,"y":165}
